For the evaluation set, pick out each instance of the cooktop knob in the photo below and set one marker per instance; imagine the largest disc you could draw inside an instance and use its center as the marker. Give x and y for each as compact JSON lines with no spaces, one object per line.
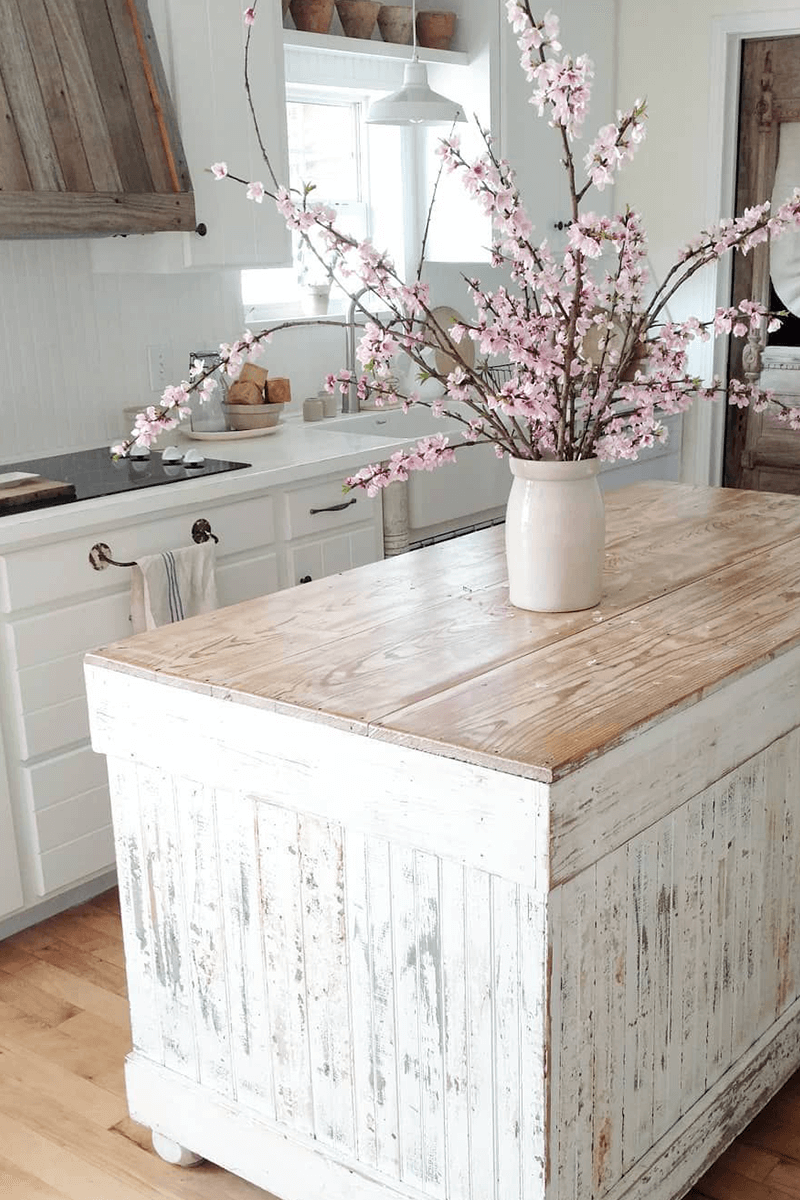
{"x":171,"y":454}
{"x":193,"y":458}
{"x":139,"y":452}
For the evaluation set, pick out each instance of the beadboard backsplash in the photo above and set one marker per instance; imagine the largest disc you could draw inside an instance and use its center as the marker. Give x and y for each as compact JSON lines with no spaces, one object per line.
{"x":74,"y":344}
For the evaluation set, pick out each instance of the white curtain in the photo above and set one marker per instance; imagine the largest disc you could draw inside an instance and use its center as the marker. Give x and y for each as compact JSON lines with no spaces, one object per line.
{"x":785,"y":250}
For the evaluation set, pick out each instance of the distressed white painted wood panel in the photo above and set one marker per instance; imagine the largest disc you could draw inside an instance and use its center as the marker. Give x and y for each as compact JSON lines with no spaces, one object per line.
{"x":170,"y":939}
{"x":207,"y":969}
{"x":482,"y":817}
{"x":251,"y":1044}
{"x":663,"y":930}
{"x":322,"y":873}
{"x":279,"y":871}
{"x":137,"y":918}
{"x":384,"y":1070}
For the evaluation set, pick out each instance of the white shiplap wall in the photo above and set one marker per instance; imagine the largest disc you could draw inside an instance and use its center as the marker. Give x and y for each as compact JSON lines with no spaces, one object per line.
{"x":73,"y":343}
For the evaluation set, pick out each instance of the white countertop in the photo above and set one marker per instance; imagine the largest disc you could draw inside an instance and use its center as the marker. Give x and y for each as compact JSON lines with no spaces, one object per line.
{"x":299,"y":450}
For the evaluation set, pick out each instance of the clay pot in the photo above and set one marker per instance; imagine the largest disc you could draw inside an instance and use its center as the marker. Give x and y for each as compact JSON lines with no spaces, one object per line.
{"x":435,"y":29}
{"x":358,"y":17}
{"x":312,"y":16}
{"x":394,"y":22}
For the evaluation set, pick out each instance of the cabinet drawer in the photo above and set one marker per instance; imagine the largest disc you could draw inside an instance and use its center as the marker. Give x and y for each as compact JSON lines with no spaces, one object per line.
{"x":323,"y":506}
{"x":70,"y":812}
{"x":63,"y":777}
{"x":72,"y":630}
{"x":43,"y":574}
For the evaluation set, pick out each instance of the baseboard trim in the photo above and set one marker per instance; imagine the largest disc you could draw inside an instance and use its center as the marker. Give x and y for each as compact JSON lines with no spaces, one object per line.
{"x":57,"y":904}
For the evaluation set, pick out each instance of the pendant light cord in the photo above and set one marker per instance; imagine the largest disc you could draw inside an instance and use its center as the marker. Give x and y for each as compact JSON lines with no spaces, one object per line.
{"x":414,"y":56}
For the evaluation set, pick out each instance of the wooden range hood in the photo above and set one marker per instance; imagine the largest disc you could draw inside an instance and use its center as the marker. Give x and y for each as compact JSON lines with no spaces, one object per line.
{"x":89,"y":143}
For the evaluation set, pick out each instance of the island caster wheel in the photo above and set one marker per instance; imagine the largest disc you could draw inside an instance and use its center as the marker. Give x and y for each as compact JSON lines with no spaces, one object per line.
{"x":173,"y":1153}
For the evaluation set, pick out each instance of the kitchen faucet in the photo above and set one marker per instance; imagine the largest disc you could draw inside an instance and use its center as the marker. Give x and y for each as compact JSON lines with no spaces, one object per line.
{"x":350,"y":402}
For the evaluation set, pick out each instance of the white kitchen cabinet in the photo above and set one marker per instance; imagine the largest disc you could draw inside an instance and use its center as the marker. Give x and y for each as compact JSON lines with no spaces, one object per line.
{"x":202,"y":50}
{"x":54,"y":608}
{"x":327,"y":531}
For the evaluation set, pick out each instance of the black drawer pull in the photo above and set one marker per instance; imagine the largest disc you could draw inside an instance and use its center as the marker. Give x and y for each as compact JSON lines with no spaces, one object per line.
{"x":333,"y":507}
{"x":306,"y":579}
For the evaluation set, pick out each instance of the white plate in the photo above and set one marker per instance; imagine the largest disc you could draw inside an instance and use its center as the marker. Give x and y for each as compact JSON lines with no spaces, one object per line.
{"x":445,"y":317}
{"x":231,"y":435}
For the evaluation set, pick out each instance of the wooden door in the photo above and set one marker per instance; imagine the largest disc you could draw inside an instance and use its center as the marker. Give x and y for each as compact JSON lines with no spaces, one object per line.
{"x":761,"y":452}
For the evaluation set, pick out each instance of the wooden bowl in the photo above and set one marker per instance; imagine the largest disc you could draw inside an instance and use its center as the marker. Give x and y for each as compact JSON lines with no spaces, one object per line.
{"x":252,"y":416}
{"x":312,"y":16}
{"x":358,"y":17}
{"x":394,"y":22}
{"x":435,"y":29}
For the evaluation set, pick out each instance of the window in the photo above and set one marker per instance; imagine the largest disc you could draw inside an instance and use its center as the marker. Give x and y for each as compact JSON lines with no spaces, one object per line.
{"x":357,"y":169}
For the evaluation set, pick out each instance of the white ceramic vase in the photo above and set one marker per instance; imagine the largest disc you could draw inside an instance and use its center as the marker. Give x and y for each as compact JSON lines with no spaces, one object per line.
{"x":555,"y":535}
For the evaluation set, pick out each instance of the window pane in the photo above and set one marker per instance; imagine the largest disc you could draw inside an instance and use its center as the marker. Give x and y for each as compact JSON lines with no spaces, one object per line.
{"x":323,"y":149}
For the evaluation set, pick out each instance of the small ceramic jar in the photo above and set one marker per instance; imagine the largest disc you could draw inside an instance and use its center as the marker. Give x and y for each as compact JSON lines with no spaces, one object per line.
{"x":313,"y":409}
{"x":330,"y":403}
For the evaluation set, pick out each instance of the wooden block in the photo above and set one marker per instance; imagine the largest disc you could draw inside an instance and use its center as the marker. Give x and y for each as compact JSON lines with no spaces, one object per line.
{"x":279,"y":391}
{"x":245,"y":393}
{"x":250,"y":373}
{"x":33,"y":493}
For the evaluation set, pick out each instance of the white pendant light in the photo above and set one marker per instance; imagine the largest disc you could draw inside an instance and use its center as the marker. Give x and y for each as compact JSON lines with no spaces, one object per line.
{"x":415,"y":103}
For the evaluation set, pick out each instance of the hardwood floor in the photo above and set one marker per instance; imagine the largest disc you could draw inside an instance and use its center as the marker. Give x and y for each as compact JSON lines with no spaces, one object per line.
{"x":64,"y":1129}
{"x":65,"y":1133}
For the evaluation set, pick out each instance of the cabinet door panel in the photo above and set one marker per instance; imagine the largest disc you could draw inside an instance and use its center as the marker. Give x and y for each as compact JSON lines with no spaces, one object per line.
{"x":246,"y":580}
{"x":327,"y":556}
{"x":208,"y":55}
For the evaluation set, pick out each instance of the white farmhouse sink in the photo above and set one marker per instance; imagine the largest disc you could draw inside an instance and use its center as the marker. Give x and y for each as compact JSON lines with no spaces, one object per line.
{"x":475,"y":487}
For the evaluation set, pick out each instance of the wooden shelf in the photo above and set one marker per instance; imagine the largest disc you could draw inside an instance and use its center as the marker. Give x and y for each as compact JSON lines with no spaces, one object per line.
{"x":330,"y":43}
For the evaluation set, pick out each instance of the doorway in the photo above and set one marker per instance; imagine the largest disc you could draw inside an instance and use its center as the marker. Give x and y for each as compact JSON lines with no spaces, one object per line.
{"x":762,"y":453}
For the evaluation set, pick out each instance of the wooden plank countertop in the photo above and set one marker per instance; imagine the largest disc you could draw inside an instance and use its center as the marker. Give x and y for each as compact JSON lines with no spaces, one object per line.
{"x":701,"y":586}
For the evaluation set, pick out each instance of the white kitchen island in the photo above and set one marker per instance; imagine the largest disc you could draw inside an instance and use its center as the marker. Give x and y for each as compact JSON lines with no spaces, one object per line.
{"x":424,"y":896}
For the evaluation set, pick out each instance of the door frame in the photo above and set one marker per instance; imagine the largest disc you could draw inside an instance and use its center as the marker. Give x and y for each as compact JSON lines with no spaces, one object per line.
{"x":704,"y":425}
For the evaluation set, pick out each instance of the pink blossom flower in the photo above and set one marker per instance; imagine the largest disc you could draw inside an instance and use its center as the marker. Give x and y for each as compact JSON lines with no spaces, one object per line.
{"x":255,"y":191}
{"x":219,"y":170}
{"x":250,"y":15}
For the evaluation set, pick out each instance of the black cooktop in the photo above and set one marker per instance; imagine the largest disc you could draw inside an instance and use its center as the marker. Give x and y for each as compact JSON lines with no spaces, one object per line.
{"x":95,"y":473}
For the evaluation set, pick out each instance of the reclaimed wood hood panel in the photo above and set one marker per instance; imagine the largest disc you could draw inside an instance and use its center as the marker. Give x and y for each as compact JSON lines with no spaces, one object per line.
{"x":89,"y":144}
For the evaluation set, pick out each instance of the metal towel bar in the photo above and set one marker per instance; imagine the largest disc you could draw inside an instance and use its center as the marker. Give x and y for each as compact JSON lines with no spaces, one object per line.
{"x":100,"y":553}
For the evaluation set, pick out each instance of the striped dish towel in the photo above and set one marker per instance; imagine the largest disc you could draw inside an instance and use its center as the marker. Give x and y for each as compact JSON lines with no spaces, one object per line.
{"x":174,"y":585}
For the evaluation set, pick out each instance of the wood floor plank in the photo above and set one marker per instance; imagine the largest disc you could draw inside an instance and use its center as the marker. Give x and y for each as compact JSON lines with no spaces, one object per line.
{"x":76,"y":992}
{"x":81,"y":930}
{"x":81,"y":1058}
{"x":22,"y":991}
{"x":115,"y":1160}
{"x":108,"y":900}
{"x":98,"y":919}
{"x":13,"y":958}
{"x":17,"y":1184}
{"x":91,"y":1032}
{"x":786,"y":1176}
{"x":85,"y":965}
{"x":58,"y":1083}
{"x":722,"y":1184}
{"x":749,"y":1161}
{"x":114,"y":953}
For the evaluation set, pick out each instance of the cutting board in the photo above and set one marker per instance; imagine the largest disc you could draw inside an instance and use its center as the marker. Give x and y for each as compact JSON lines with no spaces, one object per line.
{"x":19,"y":494}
